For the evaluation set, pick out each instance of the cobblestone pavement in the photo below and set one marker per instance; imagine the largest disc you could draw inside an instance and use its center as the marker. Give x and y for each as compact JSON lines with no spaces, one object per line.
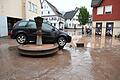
{"x":99,"y":62}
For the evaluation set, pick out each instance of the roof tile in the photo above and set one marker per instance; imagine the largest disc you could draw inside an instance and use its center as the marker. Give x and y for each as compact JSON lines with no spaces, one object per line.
{"x":96,"y":3}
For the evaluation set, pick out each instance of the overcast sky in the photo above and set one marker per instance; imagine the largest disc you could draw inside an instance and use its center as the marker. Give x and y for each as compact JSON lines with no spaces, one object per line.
{"x":67,"y":5}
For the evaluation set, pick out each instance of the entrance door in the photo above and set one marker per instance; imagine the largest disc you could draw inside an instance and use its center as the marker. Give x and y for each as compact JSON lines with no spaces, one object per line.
{"x":109,"y":29}
{"x":11,"y":21}
{"x":98,"y":30}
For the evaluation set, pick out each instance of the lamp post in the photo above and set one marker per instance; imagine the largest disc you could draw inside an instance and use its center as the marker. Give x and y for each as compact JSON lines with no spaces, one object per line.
{"x":39,"y":21}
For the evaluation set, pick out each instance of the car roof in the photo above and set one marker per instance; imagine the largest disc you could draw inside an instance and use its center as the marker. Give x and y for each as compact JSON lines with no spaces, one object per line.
{"x":34,"y":20}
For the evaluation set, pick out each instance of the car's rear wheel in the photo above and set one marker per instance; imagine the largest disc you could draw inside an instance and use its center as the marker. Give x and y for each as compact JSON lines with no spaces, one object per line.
{"x":61,"y":42}
{"x":21,"y":38}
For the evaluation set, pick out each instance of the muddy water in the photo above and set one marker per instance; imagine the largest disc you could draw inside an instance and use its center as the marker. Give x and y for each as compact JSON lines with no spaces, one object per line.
{"x":71,"y":63}
{"x":92,"y":41}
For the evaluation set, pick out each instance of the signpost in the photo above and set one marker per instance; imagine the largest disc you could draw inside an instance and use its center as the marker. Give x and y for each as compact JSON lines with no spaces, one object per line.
{"x":39,"y":21}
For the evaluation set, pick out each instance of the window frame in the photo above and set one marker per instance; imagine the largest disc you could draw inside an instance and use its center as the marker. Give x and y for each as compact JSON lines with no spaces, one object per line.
{"x":108,"y":11}
{"x":48,"y":12}
{"x":100,"y":10}
{"x":32,"y":7}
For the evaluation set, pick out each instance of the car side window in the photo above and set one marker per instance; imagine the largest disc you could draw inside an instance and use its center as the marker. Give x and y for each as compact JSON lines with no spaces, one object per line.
{"x":22,"y":24}
{"x":46,"y":27}
{"x":32,"y":25}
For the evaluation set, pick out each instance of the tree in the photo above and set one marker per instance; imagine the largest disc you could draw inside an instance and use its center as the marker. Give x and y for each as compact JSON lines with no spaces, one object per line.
{"x":83,"y":16}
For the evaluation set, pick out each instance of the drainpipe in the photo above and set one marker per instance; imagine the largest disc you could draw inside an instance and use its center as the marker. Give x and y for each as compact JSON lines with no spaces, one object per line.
{"x":24,"y":9}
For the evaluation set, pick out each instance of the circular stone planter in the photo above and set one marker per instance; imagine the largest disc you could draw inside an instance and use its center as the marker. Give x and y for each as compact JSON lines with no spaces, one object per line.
{"x":34,"y":50}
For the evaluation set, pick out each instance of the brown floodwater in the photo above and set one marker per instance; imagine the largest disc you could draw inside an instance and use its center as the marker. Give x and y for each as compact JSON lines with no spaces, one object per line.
{"x":98,"y":60}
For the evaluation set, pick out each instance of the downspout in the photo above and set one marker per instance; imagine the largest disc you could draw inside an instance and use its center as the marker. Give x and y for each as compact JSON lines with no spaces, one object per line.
{"x":24,"y":9}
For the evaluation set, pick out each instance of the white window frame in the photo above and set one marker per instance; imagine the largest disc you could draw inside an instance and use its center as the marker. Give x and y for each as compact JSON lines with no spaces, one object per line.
{"x":32,"y":7}
{"x":108,"y":9}
{"x":100,"y":10}
{"x":35,"y":8}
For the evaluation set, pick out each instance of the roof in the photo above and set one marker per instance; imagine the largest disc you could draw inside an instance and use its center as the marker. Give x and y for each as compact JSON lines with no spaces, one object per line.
{"x":54,"y":9}
{"x":70,"y":14}
{"x":96,"y":3}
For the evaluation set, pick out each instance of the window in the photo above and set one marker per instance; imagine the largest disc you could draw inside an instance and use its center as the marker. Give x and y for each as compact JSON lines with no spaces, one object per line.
{"x":46,"y":18}
{"x":77,"y":20}
{"x":52,"y":18}
{"x":42,"y":12}
{"x":73,"y":19}
{"x":54,"y":24}
{"x":35,"y":8}
{"x":48,"y":12}
{"x":44,"y":6}
{"x":55,"y":18}
{"x":22,"y":24}
{"x":100,"y":10}
{"x":32,"y":7}
{"x":108,"y":9}
{"x":32,"y":25}
{"x":70,"y":25}
{"x":46,"y":27}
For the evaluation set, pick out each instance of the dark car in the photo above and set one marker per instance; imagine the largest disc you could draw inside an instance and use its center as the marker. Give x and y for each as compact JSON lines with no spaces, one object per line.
{"x":25,"y":32}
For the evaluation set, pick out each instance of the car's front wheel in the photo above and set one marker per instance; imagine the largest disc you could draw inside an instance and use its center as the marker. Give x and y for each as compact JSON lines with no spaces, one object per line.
{"x":21,"y":38}
{"x":61,"y":42}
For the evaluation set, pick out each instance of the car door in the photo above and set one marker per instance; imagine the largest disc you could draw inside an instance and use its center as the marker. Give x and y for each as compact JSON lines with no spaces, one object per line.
{"x":49,"y":32}
{"x":32,"y":30}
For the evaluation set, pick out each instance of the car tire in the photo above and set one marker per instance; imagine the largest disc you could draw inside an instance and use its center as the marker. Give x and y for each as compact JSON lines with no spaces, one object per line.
{"x":21,"y":38}
{"x":61,"y":42}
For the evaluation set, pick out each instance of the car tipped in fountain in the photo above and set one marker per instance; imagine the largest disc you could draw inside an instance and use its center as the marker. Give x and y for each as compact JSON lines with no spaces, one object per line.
{"x":25,"y":32}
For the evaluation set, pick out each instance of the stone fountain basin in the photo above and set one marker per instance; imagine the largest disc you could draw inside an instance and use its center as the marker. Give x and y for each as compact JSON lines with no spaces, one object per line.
{"x":34,"y":50}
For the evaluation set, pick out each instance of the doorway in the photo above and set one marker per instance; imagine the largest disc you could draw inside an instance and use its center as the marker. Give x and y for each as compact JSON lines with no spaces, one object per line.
{"x":98,"y":30}
{"x":11,"y":21}
{"x":109,"y":29}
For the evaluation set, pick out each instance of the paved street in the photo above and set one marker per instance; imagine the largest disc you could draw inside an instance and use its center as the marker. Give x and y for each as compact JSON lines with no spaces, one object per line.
{"x":98,"y":60}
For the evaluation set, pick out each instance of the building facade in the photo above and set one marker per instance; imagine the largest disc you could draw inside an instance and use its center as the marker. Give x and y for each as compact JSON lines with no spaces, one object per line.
{"x":71,"y":19}
{"x":106,"y":17}
{"x":51,"y":14}
{"x":12,"y":11}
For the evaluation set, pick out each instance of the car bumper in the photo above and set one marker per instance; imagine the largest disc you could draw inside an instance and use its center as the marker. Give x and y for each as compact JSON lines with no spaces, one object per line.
{"x":69,"y":39}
